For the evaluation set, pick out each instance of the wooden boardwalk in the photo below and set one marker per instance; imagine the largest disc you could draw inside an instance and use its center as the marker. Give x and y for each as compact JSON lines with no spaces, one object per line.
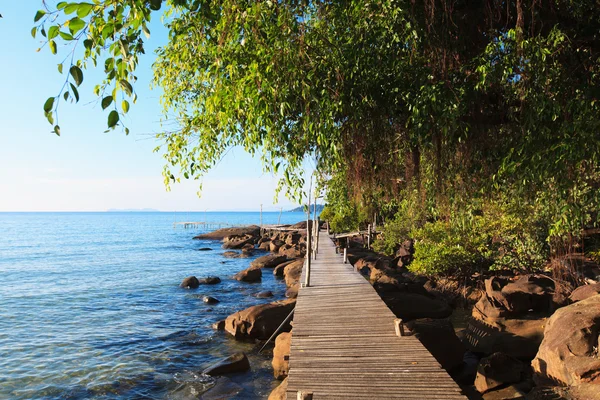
{"x":344,"y":344}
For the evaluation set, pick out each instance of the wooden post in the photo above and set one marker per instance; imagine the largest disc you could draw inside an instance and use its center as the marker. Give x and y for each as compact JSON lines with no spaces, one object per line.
{"x":304,"y":395}
{"x":345,"y":255}
{"x":399,"y":326}
{"x":369,"y":236}
{"x":308,"y":255}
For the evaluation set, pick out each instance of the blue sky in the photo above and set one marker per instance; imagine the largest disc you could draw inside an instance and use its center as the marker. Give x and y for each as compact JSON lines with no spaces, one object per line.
{"x":86,"y":169}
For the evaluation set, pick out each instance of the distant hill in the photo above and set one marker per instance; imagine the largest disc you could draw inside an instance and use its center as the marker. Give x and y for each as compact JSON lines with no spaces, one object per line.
{"x":301,"y":208}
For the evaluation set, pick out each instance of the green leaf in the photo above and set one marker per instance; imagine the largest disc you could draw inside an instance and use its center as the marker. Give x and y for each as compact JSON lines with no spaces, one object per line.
{"x":107,"y":101}
{"x":75,"y":92}
{"x":39,"y":15}
{"x":33,"y":32}
{"x":57,"y":130}
{"x":113,"y":119}
{"x":70,"y":8}
{"x":52,"y":32}
{"x":146,"y":31}
{"x":52,"y":45}
{"x":126,"y":131}
{"x":49,"y":104}
{"x":66,"y":95}
{"x":60,"y":68}
{"x":61,"y":5}
{"x":65,"y":36}
{"x":126,"y":86}
{"x":125,"y":106}
{"x":76,"y":74}
{"x":155,"y":4}
{"x":84,"y":9}
{"x":50,"y":118}
{"x":75,"y":25}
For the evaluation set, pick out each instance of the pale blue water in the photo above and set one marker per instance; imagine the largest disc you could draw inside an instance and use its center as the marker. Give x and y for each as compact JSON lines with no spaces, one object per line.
{"x":90,"y":306}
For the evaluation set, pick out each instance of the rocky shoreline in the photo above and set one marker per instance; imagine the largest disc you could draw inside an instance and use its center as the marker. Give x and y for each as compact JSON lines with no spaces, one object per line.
{"x":527,"y":336}
{"x":284,"y":258}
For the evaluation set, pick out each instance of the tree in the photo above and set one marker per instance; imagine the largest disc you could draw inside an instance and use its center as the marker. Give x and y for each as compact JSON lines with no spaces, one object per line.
{"x":453,"y":99}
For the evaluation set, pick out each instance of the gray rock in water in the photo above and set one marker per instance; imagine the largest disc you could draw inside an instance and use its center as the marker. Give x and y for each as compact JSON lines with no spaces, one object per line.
{"x":224,"y":389}
{"x":191,"y":282}
{"x":209,"y":300}
{"x":237,"y":362}
{"x":210,"y":280}
{"x":205,"y":249}
{"x":264,"y":295}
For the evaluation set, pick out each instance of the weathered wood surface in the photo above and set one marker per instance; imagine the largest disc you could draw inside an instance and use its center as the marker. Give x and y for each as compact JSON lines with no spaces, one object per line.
{"x":344,"y":344}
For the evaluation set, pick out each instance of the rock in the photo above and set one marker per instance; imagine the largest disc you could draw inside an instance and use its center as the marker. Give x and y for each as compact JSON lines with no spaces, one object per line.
{"x":265,"y":246}
{"x":409,"y":306}
{"x":439,"y":337}
{"x":509,"y":392}
{"x":224,"y":389}
{"x":221,"y":234}
{"x":295,"y":251}
{"x":517,"y":337}
{"x":569,"y":352}
{"x":293,"y":238}
{"x":584,"y":391}
{"x":529,"y":293}
{"x":281,"y":354}
{"x":292,"y":291}
{"x":279,"y":393}
{"x":238,"y":241}
{"x":268,"y":261}
{"x":237,"y":362}
{"x":210,"y":280}
{"x":292,"y":272}
{"x":219,"y":325}
{"x":264,"y":295}
{"x":278,"y":270}
{"x":497,"y":370}
{"x":191,"y":282}
{"x":583,"y":292}
{"x":260,"y":321}
{"x":204,"y":249}
{"x":274,"y":245}
{"x":250,"y":274}
{"x":232,"y":254}
{"x":209,"y":300}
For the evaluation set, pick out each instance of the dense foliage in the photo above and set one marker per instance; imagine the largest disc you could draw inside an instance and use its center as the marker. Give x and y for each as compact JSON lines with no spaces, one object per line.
{"x":478,"y":113}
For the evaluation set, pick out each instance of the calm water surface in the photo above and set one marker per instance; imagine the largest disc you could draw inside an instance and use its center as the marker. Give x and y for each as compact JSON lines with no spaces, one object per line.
{"x":90,"y":307}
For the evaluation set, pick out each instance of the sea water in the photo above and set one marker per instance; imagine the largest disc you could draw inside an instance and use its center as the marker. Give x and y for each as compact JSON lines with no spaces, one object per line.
{"x":90,"y":306}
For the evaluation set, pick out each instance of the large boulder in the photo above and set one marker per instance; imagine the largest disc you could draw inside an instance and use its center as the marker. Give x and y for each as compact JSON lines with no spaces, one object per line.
{"x":584,"y":292}
{"x":279,"y":393}
{"x":221,"y":234}
{"x":569,"y":352}
{"x":510,"y":317}
{"x":274,"y":245}
{"x":251,"y":274}
{"x":281,"y":352}
{"x":238,"y":241}
{"x":292,"y":251}
{"x":278,"y":270}
{"x":497,"y":370}
{"x":260,"y":321}
{"x":237,"y":362}
{"x":292,"y":272}
{"x":191,"y":282}
{"x":268,"y":261}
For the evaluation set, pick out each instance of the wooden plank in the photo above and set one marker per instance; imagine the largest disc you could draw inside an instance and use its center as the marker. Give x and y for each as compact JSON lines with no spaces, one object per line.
{"x":344,"y":343}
